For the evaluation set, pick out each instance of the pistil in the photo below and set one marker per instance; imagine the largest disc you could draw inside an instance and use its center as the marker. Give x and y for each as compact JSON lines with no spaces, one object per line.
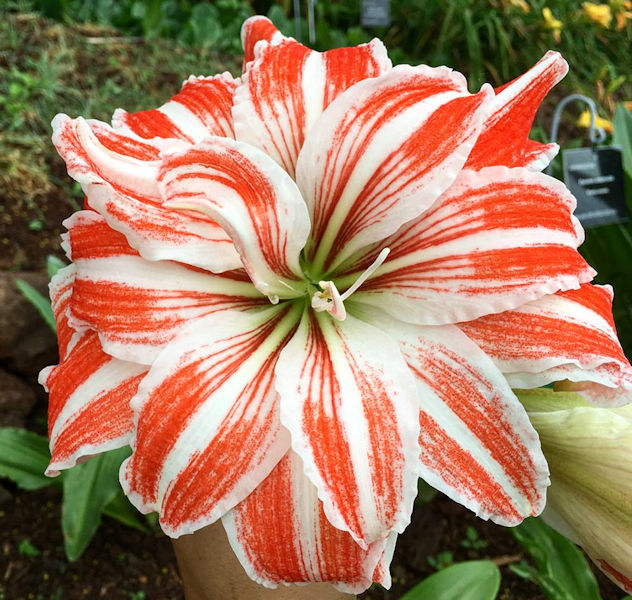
{"x":331,"y":300}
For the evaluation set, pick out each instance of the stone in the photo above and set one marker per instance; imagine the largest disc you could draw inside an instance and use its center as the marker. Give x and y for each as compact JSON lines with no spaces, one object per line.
{"x":16,"y":400}
{"x":27,"y":344}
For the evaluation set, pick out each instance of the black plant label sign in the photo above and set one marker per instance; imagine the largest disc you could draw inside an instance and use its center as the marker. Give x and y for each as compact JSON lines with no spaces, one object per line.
{"x":595,"y":177}
{"x":376,"y":13}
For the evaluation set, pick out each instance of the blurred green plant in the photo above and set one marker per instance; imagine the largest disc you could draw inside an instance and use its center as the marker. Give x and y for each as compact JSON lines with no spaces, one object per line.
{"x":27,"y":548}
{"x":472,"y":540}
{"x":90,"y":489}
{"x":442,"y":560}
{"x":474,"y":580}
{"x":484,"y":38}
{"x":559,"y":567}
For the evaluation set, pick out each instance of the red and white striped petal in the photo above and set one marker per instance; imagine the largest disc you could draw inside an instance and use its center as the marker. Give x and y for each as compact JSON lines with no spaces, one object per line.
{"x":258,"y":29}
{"x":504,"y":139}
{"x":382,"y":572}
{"x":60,"y":288}
{"x":160,"y":233}
{"x":622,"y":580}
{"x":201,"y":108}
{"x":280,"y":534}
{"x":255,"y":201}
{"x":288,"y":86}
{"x":496,"y":239}
{"x":137,"y":306}
{"x":89,"y":395}
{"x":95,"y":153}
{"x":568,"y":335}
{"x":350,"y":404}
{"x":208,"y":429}
{"x":477,"y":444}
{"x":382,"y":153}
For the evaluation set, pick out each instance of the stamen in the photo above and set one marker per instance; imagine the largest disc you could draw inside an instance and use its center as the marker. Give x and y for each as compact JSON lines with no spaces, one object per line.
{"x":330,"y":299}
{"x":377,"y":263}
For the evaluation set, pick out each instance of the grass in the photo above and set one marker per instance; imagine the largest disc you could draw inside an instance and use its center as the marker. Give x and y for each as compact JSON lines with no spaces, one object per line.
{"x":47,"y":67}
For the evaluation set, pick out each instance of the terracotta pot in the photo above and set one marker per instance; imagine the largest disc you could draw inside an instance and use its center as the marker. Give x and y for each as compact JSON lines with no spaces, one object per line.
{"x":210,"y":571}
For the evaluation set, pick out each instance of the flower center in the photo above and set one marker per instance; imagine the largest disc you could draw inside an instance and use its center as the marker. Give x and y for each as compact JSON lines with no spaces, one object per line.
{"x":331,"y":300}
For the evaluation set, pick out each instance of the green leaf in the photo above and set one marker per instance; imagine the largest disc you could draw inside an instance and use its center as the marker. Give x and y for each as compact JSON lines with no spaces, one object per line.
{"x":88,"y":489}
{"x":24,"y":457}
{"x":560,"y":568}
{"x":475,"y":580}
{"x":41,"y":303}
{"x":122,"y":510}
{"x":622,"y":135}
{"x":205,"y":25}
{"x":27,"y":548}
{"x":53,"y":264}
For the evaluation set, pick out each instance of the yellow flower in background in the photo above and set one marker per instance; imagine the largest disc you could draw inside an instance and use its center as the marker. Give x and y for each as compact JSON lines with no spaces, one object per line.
{"x":623,"y":12}
{"x":550,"y":22}
{"x":599,"y":13}
{"x":584,"y":121}
{"x":523,"y":5}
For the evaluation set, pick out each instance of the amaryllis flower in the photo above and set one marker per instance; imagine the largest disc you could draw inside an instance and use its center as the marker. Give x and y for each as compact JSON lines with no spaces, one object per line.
{"x":296,"y":292}
{"x":590,"y":498}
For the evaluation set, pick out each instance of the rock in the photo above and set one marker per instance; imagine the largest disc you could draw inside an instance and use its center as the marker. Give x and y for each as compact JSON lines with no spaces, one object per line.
{"x":26,"y":343}
{"x":5,"y":495}
{"x":16,"y":400}
{"x":35,"y":350}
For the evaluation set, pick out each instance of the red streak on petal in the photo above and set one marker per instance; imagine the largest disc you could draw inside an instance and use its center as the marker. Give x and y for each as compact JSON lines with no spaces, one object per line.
{"x":268,"y":522}
{"x":148,"y":316}
{"x":276,"y":92}
{"x":95,"y":239}
{"x":122,"y":144}
{"x":60,"y":307}
{"x":107,"y":417}
{"x":423,"y":151}
{"x":86,"y":358}
{"x":154,"y":123}
{"x":329,"y":441}
{"x":255,"y":30}
{"x":595,"y":298}
{"x":622,"y":580}
{"x":173,"y":403}
{"x":236,"y":447}
{"x":387,"y":458}
{"x":516,"y":267}
{"x":513,"y":335}
{"x":270,"y":530}
{"x":503,"y":140}
{"x":346,"y":66}
{"x":208,"y":99}
{"x":323,"y":426}
{"x":382,"y":106}
{"x":474,"y":401}
{"x":460,"y":470}
{"x":230,"y":168}
{"x":499,"y":206}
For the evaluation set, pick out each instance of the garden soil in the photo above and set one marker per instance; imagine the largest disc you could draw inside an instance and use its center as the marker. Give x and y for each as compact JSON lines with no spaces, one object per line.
{"x":125,"y":564}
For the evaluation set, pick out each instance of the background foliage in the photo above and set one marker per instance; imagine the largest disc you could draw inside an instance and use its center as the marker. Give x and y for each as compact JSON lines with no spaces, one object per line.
{"x":490,"y":40}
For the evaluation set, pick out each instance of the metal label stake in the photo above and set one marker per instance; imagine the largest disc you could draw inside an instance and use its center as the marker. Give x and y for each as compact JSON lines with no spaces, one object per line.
{"x":594,"y":175}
